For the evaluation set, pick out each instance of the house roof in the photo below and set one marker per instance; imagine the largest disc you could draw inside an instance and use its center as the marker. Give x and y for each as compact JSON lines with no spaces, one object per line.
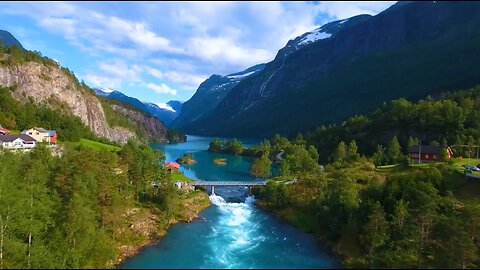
{"x":41,"y":129}
{"x":426,"y":149}
{"x":172,"y":164}
{"x":51,"y":133}
{"x":11,"y":138}
{"x":4,"y":130}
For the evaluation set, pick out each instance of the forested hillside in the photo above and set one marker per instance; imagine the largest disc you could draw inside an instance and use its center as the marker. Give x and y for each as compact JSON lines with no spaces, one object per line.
{"x":85,"y":208}
{"x":450,"y":119}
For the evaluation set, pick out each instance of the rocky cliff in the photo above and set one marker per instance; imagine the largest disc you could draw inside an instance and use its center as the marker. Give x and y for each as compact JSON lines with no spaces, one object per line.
{"x":148,"y":125}
{"x":51,"y":84}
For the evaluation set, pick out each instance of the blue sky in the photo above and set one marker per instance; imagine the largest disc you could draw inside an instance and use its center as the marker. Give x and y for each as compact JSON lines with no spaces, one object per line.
{"x":161,"y":51}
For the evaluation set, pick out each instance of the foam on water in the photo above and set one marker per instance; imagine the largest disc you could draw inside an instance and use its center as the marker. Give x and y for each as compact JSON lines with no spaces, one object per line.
{"x":237,"y":228}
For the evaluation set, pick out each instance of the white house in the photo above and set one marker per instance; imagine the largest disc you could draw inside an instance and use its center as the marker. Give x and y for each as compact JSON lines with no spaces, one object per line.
{"x":41,"y":134}
{"x":21,"y":141}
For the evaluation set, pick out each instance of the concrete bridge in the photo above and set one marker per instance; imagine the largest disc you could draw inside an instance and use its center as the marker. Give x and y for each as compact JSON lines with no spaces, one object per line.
{"x":214,"y":184}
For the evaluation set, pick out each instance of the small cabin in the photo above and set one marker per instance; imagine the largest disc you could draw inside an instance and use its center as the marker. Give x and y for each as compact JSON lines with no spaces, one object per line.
{"x":426,"y":153}
{"x":170,"y":166}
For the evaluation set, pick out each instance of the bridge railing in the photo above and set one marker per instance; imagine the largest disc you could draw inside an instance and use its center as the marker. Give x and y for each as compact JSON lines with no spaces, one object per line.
{"x":228,"y":183}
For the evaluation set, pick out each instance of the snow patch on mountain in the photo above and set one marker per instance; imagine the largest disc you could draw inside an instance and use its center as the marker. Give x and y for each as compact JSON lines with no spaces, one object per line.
{"x":165,"y":106}
{"x":241,"y":75}
{"x":314,"y":36}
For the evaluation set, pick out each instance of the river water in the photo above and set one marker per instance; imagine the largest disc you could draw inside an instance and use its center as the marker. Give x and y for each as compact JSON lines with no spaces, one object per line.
{"x":233,"y":232}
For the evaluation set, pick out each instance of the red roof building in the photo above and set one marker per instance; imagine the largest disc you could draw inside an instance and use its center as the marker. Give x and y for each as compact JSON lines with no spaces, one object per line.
{"x":171,"y":164}
{"x":427,"y":153}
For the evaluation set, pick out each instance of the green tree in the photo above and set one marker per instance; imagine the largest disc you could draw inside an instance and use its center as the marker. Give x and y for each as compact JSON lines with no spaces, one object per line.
{"x":284,"y":167}
{"x":394,"y":151}
{"x":376,"y":229}
{"x":299,"y":139}
{"x":234,"y":146}
{"x":379,"y":156}
{"x":411,"y":141}
{"x":261,"y":166}
{"x":443,"y":155}
{"x":313,"y":152}
{"x":279,"y":143}
{"x":352,"y":151}
{"x":215,"y":145}
{"x":341,"y":152}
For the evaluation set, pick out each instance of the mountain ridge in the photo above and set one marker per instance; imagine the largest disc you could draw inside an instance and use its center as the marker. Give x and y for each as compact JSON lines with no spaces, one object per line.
{"x":164,"y":115}
{"x":399,"y":52}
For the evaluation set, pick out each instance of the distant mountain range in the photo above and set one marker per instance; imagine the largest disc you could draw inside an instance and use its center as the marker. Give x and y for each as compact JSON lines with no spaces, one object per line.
{"x":346,"y":67}
{"x":210,"y":93}
{"x":163,"y":112}
{"x":8,"y":39}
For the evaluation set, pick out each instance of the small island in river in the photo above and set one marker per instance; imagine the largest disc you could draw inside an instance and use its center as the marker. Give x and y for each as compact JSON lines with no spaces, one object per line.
{"x":187,"y":159}
{"x":220,"y":161}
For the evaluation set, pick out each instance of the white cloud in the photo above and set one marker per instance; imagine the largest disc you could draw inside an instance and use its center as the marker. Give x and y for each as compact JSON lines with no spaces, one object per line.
{"x":155,"y":72}
{"x":162,"y":89}
{"x":346,"y":9}
{"x":185,"y":78}
{"x":120,"y":69}
{"x":227,"y":50}
{"x":102,"y":81}
{"x":179,"y":43}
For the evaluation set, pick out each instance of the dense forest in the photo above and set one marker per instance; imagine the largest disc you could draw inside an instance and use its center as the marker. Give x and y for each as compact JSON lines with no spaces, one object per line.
{"x":84,"y":202}
{"x":451,"y":118}
{"x":397,"y":216}
{"x":70,"y":211}
{"x":407,"y":217}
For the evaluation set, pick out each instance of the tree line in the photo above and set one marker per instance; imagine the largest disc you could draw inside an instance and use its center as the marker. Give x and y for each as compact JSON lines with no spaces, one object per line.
{"x":450,"y":119}
{"x":68,"y":211}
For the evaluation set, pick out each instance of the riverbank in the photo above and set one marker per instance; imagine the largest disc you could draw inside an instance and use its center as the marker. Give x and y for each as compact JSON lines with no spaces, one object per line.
{"x":147,"y":224}
{"x":302,"y":220}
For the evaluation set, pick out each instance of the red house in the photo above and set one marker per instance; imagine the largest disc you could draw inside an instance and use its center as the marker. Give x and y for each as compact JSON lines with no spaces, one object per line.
{"x":171,"y":165}
{"x":426,"y":153}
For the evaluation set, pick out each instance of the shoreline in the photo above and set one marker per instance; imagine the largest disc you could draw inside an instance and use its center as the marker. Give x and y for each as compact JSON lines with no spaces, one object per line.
{"x":323,"y":243}
{"x":188,"y":214}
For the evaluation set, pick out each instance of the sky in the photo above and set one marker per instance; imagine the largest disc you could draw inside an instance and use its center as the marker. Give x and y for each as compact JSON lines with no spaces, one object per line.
{"x":161,"y":51}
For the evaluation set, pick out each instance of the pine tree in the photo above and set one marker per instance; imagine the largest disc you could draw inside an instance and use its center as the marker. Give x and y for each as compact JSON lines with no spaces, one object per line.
{"x":352,"y":150}
{"x":341,"y":152}
{"x":376,"y":228}
{"x":394,"y":151}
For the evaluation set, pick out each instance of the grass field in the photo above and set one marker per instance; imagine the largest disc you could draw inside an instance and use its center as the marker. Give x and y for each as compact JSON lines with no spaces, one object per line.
{"x":98,"y":145}
{"x":179,"y":176}
{"x":458,"y":162}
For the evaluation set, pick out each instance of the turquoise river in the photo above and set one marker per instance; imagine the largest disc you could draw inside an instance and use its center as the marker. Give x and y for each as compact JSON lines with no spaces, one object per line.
{"x":232,"y":232}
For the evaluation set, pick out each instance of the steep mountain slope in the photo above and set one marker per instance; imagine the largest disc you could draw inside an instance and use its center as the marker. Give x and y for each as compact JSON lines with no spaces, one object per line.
{"x":166,"y":114}
{"x":210,"y":93}
{"x":42,"y":80}
{"x":348,"y":67}
{"x":8,"y":39}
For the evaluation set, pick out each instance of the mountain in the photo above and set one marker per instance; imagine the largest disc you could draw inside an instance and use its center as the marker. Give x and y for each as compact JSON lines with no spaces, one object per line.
{"x":43,"y":81}
{"x":165,"y":112}
{"x":352,"y":66}
{"x":210,"y":93}
{"x":8,"y":39}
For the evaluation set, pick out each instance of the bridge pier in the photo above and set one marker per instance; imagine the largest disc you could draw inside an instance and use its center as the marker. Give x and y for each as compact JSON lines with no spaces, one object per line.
{"x":249,"y":190}
{"x":213,"y":190}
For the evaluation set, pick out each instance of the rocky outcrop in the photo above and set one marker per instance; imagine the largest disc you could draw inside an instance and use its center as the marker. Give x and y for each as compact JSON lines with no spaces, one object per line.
{"x":148,"y":125}
{"x":54,"y":86}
